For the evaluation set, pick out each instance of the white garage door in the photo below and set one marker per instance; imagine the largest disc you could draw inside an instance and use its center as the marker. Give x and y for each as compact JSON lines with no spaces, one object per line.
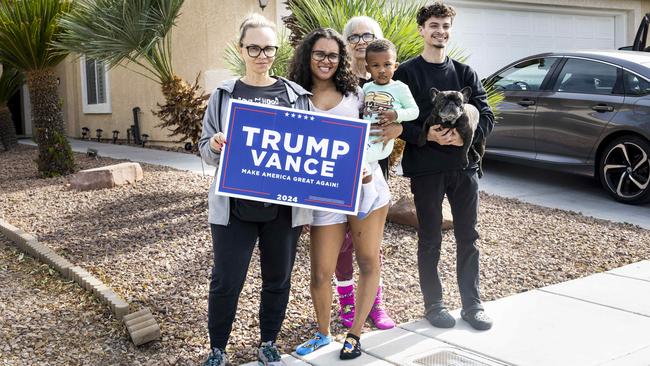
{"x":494,"y":37}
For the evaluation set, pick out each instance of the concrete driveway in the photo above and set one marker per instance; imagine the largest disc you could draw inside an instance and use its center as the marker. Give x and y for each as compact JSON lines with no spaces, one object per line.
{"x":559,"y":190}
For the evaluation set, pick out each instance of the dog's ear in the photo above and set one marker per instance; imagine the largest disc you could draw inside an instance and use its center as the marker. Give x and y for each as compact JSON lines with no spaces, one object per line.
{"x":433,"y":92}
{"x":467,"y":92}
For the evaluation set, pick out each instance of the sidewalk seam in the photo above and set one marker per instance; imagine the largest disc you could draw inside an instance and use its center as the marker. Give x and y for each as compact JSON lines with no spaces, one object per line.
{"x":626,"y":276}
{"x":593,"y":302}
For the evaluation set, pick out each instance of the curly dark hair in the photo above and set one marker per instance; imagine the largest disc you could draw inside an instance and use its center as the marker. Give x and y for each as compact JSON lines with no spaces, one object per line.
{"x":438,"y":10}
{"x":300,"y":71}
{"x":380,"y":45}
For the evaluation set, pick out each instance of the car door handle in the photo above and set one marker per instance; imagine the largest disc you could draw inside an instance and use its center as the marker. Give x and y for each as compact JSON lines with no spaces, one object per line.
{"x":603,"y":108}
{"x":526,"y":102}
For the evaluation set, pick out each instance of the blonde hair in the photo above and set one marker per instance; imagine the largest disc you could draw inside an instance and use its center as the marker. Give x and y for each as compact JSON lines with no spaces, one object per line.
{"x":253,"y":20}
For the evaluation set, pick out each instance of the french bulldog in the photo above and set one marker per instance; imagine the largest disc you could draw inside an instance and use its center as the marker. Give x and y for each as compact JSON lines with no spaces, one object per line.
{"x":452,"y":110}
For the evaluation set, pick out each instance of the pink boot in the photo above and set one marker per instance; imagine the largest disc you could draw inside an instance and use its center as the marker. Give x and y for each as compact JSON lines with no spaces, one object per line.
{"x":346,"y":300}
{"x":378,"y":314}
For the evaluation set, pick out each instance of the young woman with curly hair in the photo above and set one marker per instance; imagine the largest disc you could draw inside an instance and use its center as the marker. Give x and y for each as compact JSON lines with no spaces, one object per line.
{"x":321,"y":65}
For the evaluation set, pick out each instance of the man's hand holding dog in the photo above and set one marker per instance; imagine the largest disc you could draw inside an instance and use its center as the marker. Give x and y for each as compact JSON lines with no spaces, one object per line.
{"x":386,"y":132}
{"x":444,"y":136}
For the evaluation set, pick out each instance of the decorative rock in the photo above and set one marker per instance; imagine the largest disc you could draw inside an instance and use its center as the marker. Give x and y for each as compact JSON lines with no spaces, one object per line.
{"x":403,"y":212}
{"x":137,"y":314}
{"x":142,"y":326}
{"x":28,"y":243}
{"x":120,"y":307}
{"x":107,"y":177}
{"x":148,"y":334}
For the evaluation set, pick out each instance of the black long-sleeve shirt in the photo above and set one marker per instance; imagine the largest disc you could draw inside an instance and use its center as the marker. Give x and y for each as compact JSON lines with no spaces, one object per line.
{"x":421,"y":76}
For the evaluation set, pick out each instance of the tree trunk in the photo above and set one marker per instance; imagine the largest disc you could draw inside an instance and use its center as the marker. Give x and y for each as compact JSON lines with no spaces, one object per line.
{"x":7,"y":129}
{"x":54,"y":154}
{"x":183,"y":111}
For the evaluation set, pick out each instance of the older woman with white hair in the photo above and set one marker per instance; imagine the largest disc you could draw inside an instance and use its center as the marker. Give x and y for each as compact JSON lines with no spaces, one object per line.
{"x":358,"y":32}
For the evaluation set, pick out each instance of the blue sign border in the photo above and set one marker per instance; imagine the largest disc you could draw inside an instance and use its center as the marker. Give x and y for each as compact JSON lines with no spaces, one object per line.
{"x":346,"y":206}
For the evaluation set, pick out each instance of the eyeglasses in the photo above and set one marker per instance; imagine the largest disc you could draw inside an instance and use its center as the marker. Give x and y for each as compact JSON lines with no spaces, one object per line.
{"x":356,"y":38}
{"x":255,"y":51}
{"x":320,"y":56}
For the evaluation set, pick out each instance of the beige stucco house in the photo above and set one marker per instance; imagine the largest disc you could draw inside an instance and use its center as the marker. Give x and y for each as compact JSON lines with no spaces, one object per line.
{"x":493,"y":32}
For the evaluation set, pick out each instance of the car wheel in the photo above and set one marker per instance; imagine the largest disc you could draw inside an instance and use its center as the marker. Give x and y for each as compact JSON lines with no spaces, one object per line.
{"x":625,"y":169}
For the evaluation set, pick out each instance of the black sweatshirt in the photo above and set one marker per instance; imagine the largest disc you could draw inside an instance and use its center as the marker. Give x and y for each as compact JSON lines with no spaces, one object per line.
{"x":421,"y":76}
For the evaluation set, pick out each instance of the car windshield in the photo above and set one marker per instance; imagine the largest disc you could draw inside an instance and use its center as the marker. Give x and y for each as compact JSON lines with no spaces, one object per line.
{"x":527,"y":75}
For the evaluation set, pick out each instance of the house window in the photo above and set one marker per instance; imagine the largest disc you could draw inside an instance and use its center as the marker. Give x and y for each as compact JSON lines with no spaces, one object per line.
{"x":95,"y":87}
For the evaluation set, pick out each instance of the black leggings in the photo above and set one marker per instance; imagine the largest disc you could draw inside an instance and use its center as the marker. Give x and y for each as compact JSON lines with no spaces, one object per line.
{"x":233,"y":247}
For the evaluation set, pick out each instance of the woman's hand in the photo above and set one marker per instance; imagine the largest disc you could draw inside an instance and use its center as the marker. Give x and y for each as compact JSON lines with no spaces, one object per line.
{"x":387,"y":132}
{"x":217,"y":141}
{"x":386,"y":117}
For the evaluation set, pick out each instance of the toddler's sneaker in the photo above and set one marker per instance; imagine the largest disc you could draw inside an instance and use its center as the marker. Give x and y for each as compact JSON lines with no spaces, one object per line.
{"x":319,"y":340}
{"x":378,"y":313}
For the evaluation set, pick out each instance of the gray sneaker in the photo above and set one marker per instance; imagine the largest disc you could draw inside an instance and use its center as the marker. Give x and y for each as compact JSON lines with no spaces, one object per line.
{"x":217,"y":358}
{"x":268,"y":355}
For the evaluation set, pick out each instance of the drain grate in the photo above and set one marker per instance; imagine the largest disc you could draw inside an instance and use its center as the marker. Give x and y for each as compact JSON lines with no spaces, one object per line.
{"x":448,"y":356}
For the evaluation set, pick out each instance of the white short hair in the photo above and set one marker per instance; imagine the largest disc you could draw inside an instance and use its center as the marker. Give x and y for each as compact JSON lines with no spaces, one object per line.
{"x":359,"y":20}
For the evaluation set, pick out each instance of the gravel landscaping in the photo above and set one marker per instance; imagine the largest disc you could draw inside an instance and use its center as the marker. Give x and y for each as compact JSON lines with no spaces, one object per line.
{"x":150,"y":242}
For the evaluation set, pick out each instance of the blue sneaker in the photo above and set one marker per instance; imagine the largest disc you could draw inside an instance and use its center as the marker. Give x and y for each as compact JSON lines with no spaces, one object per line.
{"x":319,"y":340}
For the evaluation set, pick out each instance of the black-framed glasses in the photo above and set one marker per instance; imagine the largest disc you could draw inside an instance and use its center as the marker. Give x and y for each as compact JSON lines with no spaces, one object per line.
{"x":255,"y":51}
{"x":320,"y":56}
{"x":356,"y":38}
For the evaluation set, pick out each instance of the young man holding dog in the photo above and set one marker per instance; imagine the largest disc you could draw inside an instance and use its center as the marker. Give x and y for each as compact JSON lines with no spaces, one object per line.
{"x":436,"y":169}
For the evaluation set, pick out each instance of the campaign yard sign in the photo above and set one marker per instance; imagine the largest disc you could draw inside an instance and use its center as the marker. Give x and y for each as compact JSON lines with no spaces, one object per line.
{"x":292,"y":157}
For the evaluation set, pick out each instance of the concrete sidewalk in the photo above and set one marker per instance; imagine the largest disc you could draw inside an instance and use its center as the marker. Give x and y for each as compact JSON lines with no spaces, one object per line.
{"x":599,"y":320}
{"x":180,"y":161}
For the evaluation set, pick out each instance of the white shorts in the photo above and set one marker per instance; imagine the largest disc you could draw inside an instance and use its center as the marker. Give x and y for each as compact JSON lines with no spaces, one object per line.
{"x":323,"y":218}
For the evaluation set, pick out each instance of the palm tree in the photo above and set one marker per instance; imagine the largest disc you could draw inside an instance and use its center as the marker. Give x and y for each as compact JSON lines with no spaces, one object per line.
{"x":139,"y":32}
{"x":27,"y":30}
{"x":396,"y":19}
{"x":10,"y":81}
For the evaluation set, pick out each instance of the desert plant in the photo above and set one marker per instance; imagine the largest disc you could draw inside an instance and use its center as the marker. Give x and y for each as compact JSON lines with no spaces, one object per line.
{"x":28,"y":29}
{"x":396,"y":19}
{"x":10,"y":80}
{"x":139,"y":32}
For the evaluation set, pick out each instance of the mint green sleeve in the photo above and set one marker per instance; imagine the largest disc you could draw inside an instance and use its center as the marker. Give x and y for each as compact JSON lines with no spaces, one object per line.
{"x":409,"y":110}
